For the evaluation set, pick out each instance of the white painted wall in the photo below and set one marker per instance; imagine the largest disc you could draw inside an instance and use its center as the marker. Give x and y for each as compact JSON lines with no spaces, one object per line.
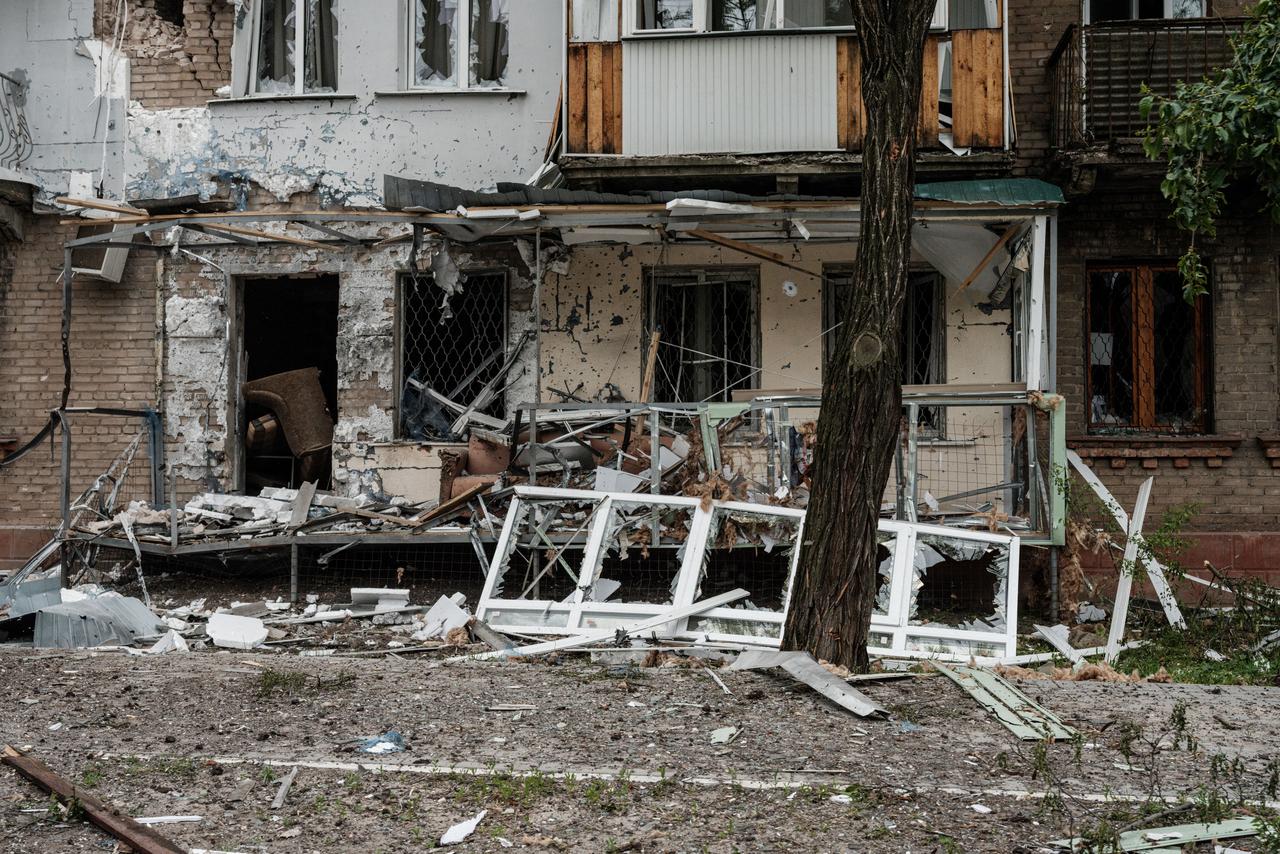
{"x":342,"y":147}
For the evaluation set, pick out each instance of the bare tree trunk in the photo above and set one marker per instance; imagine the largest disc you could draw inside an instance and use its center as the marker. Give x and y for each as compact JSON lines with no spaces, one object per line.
{"x":835,"y":587}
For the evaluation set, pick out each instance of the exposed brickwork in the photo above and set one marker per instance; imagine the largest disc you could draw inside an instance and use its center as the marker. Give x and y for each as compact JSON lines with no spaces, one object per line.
{"x":112,"y":352}
{"x":171,"y":64}
{"x":1237,"y":493}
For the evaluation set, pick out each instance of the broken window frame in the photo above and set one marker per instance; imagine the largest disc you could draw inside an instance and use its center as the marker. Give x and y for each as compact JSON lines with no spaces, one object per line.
{"x":955,"y":644}
{"x":463,"y":78}
{"x":301,"y":34}
{"x":577,"y":611}
{"x":666,"y":277}
{"x":1143,"y":333}
{"x":402,"y":332}
{"x":702,"y":20}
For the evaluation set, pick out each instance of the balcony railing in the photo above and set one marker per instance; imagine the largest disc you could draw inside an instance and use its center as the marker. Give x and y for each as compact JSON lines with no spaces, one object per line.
{"x":15,"y":136}
{"x":1097,"y":72}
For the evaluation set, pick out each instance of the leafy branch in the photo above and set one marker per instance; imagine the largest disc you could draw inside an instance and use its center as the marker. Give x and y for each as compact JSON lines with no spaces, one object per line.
{"x":1218,"y":130}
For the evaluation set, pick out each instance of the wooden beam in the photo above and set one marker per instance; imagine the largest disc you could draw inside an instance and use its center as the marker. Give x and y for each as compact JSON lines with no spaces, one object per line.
{"x":142,"y":840}
{"x":986,"y":259}
{"x":100,"y":205}
{"x":265,"y":235}
{"x":453,"y":505}
{"x":747,"y":249}
{"x":650,"y":367}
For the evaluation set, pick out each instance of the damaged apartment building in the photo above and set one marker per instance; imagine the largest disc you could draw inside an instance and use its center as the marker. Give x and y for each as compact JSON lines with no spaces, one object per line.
{"x":439,"y":246}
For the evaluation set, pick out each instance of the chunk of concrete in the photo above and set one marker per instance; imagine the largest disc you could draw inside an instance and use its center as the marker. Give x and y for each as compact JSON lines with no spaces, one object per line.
{"x":232,"y":632}
{"x":443,"y":616}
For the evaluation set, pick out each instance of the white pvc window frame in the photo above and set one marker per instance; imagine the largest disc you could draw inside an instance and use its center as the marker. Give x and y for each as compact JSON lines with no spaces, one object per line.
{"x":896,"y":623}
{"x":702,"y":21}
{"x":301,"y":10}
{"x":462,"y":37}
{"x":1171,"y":8}
{"x":577,"y":613}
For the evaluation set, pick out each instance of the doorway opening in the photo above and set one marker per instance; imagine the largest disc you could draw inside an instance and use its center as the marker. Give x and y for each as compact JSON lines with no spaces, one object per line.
{"x":290,"y":324}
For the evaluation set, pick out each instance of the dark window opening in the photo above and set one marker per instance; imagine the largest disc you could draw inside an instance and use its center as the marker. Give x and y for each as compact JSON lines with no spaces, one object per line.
{"x":489,"y":48}
{"x":958,"y":583}
{"x":289,"y":324}
{"x":709,"y":332}
{"x":171,"y":11}
{"x":451,"y":344}
{"x":751,"y":568}
{"x":922,"y":350}
{"x":1148,"y":351}
{"x":647,"y":574}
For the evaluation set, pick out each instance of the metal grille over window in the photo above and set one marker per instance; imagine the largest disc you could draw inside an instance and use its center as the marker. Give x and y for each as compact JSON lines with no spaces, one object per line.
{"x":923,"y":346}
{"x":1147,"y":351}
{"x":709,"y":333}
{"x":452,"y":345}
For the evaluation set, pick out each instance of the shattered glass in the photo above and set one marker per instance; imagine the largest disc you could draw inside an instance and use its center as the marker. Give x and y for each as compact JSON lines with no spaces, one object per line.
{"x":542,"y":559}
{"x":275,"y":70}
{"x":959,"y":584}
{"x":436,"y":43}
{"x":887,"y":545}
{"x":320,"y":66}
{"x":489,"y":43}
{"x":648,"y":573}
{"x":952,"y":647}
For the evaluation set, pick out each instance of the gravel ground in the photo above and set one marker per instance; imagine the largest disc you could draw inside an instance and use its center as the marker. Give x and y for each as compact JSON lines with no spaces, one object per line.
{"x":211,"y":733}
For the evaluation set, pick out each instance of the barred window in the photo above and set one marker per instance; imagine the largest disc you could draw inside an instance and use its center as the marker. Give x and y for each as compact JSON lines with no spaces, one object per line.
{"x":710,"y":332}
{"x":450,"y":344}
{"x":923,"y":345}
{"x":1148,"y":351}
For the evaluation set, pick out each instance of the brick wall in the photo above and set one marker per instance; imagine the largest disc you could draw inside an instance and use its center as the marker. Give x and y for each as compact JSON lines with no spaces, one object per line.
{"x":1238,"y":496}
{"x":179,"y":50}
{"x":112,"y":353}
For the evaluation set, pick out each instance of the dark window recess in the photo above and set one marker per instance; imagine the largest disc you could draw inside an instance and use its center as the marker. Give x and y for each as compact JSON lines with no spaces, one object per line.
{"x":276,"y":63}
{"x":452,"y":344}
{"x":171,"y":11}
{"x":709,"y":332}
{"x":1148,"y":351}
{"x":923,"y":347}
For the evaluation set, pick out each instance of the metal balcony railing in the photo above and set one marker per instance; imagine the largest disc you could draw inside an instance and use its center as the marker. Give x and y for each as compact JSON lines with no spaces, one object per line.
{"x":1097,"y":72}
{"x":15,"y":136}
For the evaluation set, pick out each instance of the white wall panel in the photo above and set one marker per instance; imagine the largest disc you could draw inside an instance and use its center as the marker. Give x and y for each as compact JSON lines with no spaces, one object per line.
{"x":730,"y":94}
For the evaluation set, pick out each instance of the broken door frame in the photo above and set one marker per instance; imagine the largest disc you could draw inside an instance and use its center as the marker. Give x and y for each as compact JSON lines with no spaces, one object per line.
{"x":577,"y":610}
{"x":896,"y":623}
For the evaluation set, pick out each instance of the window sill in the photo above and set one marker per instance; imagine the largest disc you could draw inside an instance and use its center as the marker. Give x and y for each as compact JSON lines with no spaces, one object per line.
{"x":1148,"y":450}
{"x":409,"y":93}
{"x":1271,"y":448}
{"x":308,"y":96}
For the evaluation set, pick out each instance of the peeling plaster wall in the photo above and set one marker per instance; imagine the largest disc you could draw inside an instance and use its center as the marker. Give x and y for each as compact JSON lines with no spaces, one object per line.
{"x":592,"y":319}
{"x":201,"y":343}
{"x":77,"y":92}
{"x":341,"y":147}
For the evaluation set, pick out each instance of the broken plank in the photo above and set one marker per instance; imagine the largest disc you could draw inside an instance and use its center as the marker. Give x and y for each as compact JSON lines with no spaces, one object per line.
{"x":1155,"y":570}
{"x":1013,"y":709}
{"x":1057,"y":638}
{"x":302,"y":503}
{"x":803,"y":667}
{"x":265,"y":235}
{"x":101,"y":205}
{"x":141,"y":839}
{"x":283,"y":791}
{"x":991,"y":253}
{"x":447,"y":508}
{"x":1128,"y":566}
{"x":588,"y":638}
{"x":1155,"y":838}
{"x":747,"y":249}
{"x":495,"y":640}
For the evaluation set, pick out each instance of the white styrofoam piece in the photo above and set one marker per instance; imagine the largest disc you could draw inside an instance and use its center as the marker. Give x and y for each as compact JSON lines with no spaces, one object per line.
{"x":232,"y":632}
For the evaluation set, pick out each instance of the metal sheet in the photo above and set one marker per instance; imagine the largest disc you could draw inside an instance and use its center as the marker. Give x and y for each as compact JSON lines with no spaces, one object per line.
{"x":707,"y":95}
{"x":106,"y":619}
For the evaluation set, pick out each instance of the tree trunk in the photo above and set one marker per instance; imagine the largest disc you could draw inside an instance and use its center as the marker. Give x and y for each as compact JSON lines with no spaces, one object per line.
{"x":835,"y":587}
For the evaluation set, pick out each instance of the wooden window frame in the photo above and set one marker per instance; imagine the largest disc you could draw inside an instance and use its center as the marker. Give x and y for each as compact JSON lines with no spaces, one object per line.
{"x":1142,"y":334}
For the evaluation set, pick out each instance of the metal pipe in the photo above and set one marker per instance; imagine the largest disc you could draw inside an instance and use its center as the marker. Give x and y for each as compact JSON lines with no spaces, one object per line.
{"x":66,"y":327}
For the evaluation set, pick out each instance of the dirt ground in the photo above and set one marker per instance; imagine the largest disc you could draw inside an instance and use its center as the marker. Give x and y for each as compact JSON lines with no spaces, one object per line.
{"x":610,"y":758}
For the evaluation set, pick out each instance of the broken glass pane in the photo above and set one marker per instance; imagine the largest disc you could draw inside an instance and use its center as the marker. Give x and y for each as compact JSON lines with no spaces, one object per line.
{"x":952,"y":647}
{"x":274,"y":73}
{"x":752,"y":551}
{"x":647,"y":573}
{"x":664,"y":14}
{"x":742,"y":15}
{"x":489,"y":31}
{"x":798,"y":14}
{"x":435,"y":47}
{"x":543,"y":557}
{"x":887,"y":546}
{"x":959,"y":584}
{"x":321,"y":51}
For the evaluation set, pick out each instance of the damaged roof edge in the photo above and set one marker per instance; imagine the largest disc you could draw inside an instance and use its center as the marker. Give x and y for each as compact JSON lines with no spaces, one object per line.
{"x":412,"y":194}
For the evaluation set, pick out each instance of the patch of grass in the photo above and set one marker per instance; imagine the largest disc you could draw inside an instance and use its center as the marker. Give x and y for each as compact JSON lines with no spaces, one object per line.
{"x":172,"y":766}
{"x":91,"y":776}
{"x":280,"y":682}
{"x":1182,"y":654}
{"x":509,"y":789}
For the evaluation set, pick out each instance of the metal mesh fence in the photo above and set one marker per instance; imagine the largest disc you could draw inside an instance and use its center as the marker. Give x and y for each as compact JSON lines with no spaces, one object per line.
{"x":451,"y":343}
